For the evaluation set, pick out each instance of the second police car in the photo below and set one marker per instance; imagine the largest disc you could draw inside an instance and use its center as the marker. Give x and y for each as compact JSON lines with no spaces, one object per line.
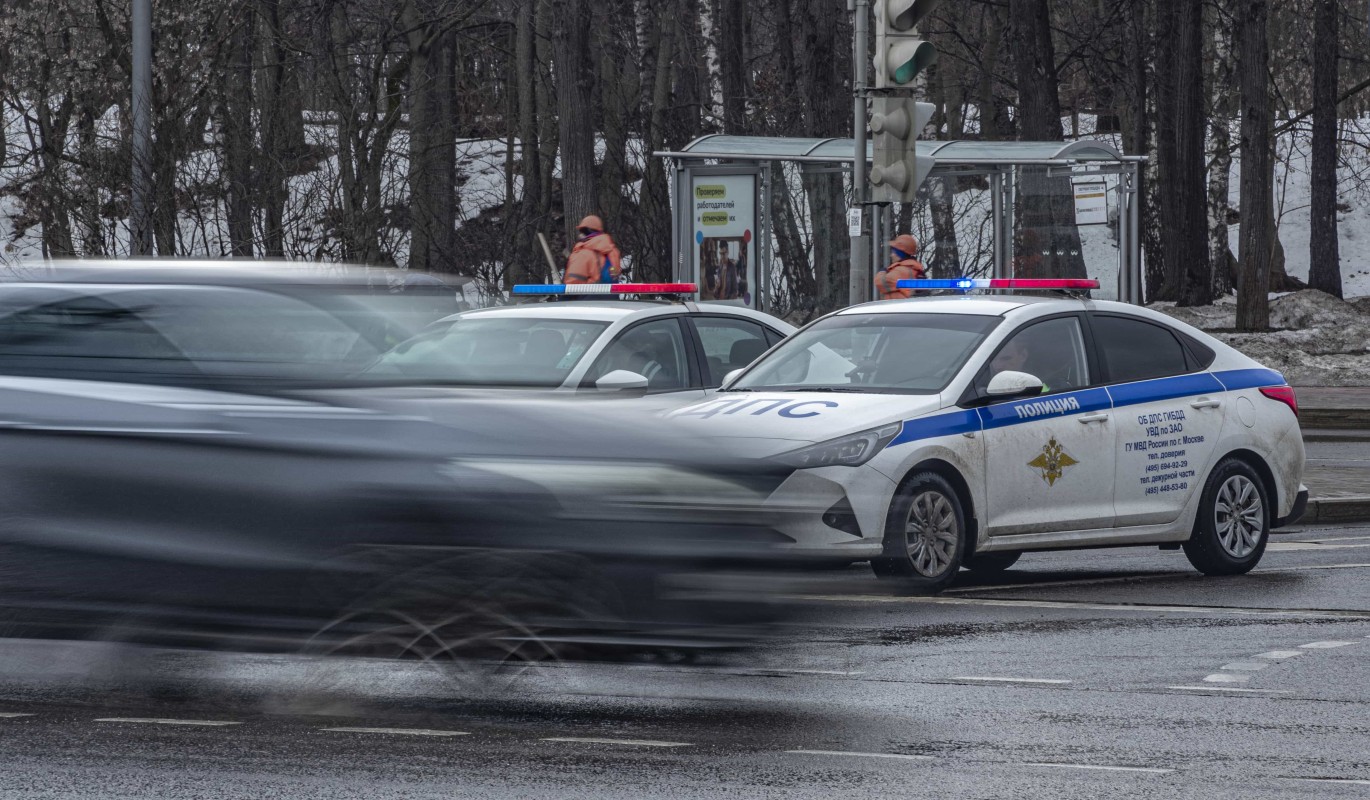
{"x":937,"y":433}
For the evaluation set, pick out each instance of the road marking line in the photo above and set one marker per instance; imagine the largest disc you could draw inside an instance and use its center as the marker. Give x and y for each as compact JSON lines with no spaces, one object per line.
{"x":1287,"y":546}
{"x":208,"y":723}
{"x":1226,"y":689}
{"x":764,"y":671}
{"x":1008,"y":680}
{"x":1244,"y":666}
{"x":1152,"y":770}
{"x":1145,"y":577}
{"x":1083,"y":606}
{"x":12,"y":715}
{"x":1277,"y":654}
{"x":1224,"y":677}
{"x":857,"y":754}
{"x":1324,"y":645}
{"x":596,"y":740}
{"x":399,"y":731}
{"x":1355,"y":781}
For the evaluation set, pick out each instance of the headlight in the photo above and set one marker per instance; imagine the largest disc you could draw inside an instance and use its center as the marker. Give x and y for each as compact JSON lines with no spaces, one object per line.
{"x":847,"y":451}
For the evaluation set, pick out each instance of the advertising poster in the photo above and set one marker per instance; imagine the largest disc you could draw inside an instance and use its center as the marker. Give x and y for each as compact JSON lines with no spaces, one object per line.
{"x":725,"y":244}
{"x":1091,"y":203}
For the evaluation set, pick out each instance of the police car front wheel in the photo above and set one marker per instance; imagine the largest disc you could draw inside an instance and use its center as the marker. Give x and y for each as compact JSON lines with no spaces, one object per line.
{"x":924,"y":536}
{"x":1233,"y":523}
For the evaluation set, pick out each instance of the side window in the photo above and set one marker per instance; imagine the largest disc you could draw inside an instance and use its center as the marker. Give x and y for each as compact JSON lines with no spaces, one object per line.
{"x":654,"y":349}
{"x":729,"y":344}
{"x":83,"y":337}
{"x":1134,"y":350}
{"x":1053,"y":350}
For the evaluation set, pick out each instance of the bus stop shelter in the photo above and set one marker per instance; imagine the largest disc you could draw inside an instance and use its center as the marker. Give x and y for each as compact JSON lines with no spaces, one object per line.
{"x":722,"y":202}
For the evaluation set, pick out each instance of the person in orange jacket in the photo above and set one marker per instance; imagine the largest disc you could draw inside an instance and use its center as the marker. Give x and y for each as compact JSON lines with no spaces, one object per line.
{"x":903,"y":266}
{"x":594,"y":259}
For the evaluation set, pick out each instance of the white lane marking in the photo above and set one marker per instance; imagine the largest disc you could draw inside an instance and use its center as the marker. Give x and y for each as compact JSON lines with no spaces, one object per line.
{"x":1225,"y":677}
{"x":207,"y":723}
{"x":1226,"y":689}
{"x":764,"y":671}
{"x":1277,"y":654}
{"x":1357,"y":782}
{"x":1152,"y":770}
{"x":1286,"y":546}
{"x":1147,"y":577}
{"x":857,"y":754}
{"x":597,"y":740}
{"x":1244,"y":666}
{"x":12,"y":715}
{"x":399,"y":731}
{"x":1323,"y":645}
{"x":1083,"y":606}
{"x":1008,"y":680}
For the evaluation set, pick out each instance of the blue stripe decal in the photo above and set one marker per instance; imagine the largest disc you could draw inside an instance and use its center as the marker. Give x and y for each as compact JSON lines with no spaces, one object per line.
{"x":1082,"y":402}
{"x":1056,"y":405}
{"x":1131,"y":394}
{"x":939,"y":425}
{"x":1249,"y":378}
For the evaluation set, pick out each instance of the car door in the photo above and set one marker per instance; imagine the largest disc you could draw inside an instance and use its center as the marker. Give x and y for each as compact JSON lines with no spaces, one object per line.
{"x":1169,"y":415}
{"x":726,"y":344}
{"x":656,"y":349}
{"x":1049,"y":457}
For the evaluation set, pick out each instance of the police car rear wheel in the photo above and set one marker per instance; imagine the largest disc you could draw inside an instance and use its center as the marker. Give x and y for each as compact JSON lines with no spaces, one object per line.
{"x":924,"y":538}
{"x":1233,"y":524}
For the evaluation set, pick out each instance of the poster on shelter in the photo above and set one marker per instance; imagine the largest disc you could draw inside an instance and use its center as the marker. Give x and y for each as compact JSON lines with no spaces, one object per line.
{"x":1091,"y":202}
{"x":725,"y":241}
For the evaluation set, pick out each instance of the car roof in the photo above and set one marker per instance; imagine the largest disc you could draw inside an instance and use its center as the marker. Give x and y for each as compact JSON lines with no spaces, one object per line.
{"x":983,"y":305}
{"x":615,"y":310}
{"x":222,"y":272}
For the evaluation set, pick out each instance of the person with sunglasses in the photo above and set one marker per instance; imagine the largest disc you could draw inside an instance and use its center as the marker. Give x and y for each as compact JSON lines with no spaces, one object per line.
{"x":903,"y":266}
{"x":594,"y":259}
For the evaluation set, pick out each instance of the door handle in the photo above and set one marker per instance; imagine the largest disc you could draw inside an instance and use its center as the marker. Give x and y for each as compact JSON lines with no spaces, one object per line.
{"x":1088,"y":418}
{"x":1205,"y":402}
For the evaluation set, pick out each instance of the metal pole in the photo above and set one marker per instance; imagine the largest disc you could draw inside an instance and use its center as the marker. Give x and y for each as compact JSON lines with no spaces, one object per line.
{"x":141,"y":199}
{"x":859,"y":283}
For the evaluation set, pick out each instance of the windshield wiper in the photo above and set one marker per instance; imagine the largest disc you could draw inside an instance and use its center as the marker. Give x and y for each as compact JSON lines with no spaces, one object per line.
{"x":844,"y":389}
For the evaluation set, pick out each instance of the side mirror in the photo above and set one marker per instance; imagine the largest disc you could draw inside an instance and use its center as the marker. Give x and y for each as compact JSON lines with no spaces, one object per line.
{"x":730,"y":377}
{"x":1008,"y":384}
{"x":621,"y":380}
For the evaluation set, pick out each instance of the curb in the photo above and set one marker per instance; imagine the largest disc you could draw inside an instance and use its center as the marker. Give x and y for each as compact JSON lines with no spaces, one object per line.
{"x":1339,"y":418}
{"x":1337,"y":509}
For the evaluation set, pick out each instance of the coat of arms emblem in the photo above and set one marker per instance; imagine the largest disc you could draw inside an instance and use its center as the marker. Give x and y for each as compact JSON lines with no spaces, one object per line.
{"x":1052,"y":462}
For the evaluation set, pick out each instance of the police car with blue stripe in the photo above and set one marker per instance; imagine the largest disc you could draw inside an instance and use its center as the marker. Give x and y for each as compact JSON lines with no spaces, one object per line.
{"x":936,"y":433}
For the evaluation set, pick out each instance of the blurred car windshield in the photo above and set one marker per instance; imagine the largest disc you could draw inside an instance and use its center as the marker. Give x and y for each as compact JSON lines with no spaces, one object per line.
{"x":491,"y":351}
{"x":876,"y":353}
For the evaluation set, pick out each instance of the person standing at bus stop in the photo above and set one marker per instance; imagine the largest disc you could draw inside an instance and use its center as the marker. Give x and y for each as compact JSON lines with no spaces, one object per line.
{"x":903,"y":266}
{"x":594,"y":259}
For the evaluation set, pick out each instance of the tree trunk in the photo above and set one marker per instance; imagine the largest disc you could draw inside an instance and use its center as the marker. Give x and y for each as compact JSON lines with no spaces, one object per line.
{"x":1257,"y":206}
{"x":528,"y":266}
{"x":654,"y":247}
{"x":1324,"y":270}
{"x":1195,"y":281}
{"x":732,"y":56}
{"x":1048,"y":243}
{"x":432,"y":147}
{"x":618,"y":89}
{"x":575,"y":112}
{"x":238,"y":145}
{"x":1170,"y":180}
{"x":1220,"y":159}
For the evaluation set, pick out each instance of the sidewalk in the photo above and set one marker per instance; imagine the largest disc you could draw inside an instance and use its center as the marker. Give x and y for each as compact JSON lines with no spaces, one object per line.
{"x":1338,"y":487}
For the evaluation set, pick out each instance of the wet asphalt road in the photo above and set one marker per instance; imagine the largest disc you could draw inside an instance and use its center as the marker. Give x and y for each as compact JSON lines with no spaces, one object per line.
{"x":1098,"y":674}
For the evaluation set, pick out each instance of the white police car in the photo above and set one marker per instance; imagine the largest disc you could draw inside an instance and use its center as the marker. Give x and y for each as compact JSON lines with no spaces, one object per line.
{"x":680,"y":350}
{"x":940,"y":432}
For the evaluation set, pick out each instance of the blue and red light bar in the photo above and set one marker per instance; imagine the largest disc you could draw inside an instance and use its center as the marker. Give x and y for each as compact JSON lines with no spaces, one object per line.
{"x":604,"y":288}
{"x":1022,"y":284}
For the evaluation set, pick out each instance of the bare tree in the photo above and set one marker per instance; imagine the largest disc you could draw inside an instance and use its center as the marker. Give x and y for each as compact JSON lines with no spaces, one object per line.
{"x":1253,"y":276}
{"x":575,"y":111}
{"x":1324,"y":271}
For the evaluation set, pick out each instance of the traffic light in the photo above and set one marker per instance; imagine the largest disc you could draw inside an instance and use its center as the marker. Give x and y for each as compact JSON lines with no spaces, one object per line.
{"x":896,"y":168}
{"x":899,"y":54}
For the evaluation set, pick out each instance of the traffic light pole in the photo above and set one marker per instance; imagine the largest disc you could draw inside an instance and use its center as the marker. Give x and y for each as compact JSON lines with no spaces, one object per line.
{"x":860,"y":281}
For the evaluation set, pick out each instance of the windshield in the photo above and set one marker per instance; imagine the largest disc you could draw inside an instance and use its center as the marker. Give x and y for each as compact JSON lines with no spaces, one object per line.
{"x":877,"y":353}
{"x":492,"y":351}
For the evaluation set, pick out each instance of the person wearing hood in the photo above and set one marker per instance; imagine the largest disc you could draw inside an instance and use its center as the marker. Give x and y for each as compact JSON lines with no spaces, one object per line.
{"x":594,"y":259}
{"x":903,"y":266}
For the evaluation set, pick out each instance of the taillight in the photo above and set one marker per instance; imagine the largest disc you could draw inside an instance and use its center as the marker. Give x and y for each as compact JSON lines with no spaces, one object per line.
{"x":1284,"y":394}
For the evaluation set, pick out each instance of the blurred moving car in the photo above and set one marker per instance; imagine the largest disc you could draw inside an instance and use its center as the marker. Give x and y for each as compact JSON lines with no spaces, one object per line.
{"x":190,"y":455}
{"x":675,"y":348}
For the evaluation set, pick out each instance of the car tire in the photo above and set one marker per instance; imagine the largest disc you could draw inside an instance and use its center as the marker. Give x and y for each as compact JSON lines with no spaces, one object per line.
{"x":1233,"y":522}
{"x":925,"y":535}
{"x":991,"y":563}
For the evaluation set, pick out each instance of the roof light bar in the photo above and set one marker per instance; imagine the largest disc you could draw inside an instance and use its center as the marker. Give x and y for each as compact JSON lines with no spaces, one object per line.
{"x":963,"y":284}
{"x":604,"y":288}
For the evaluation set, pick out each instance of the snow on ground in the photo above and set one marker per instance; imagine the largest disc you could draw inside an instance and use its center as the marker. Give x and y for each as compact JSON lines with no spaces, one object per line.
{"x":1316,"y":339}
